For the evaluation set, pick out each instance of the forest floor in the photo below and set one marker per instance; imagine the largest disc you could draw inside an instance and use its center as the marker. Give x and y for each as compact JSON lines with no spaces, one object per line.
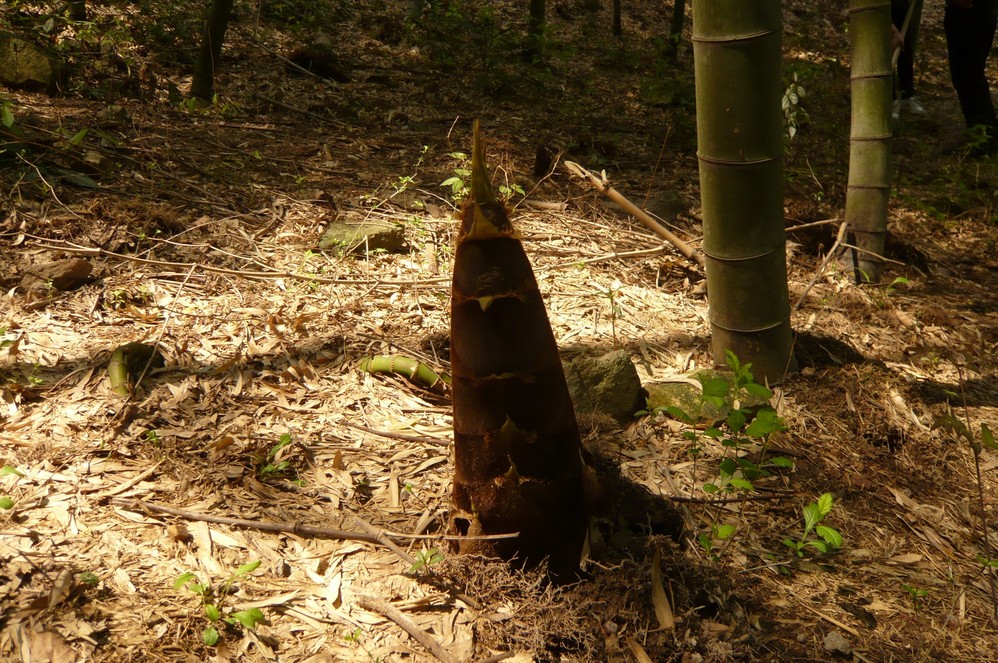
{"x":201,"y":226}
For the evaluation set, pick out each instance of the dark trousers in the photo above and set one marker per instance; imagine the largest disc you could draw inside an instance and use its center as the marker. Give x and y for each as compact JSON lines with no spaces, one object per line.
{"x":969,"y":35}
{"x":906,"y":59}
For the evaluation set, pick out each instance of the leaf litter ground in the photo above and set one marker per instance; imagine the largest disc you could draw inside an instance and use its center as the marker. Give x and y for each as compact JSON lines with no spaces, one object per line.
{"x":205,"y":221}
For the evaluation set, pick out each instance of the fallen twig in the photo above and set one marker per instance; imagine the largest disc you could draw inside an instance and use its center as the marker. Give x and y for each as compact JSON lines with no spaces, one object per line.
{"x":729,"y":500}
{"x":824,"y":263}
{"x":379,"y":537}
{"x":394,"y":614}
{"x":603,"y":187}
{"x":69,"y":247}
{"x":398,"y":436}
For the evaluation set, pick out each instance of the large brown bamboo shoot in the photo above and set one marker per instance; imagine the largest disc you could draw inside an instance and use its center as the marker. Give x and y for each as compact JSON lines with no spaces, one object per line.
{"x":518,"y":463}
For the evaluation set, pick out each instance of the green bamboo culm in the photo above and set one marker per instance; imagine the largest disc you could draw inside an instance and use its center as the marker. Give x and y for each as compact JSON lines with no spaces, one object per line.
{"x":408,"y":367}
{"x":871,"y":74}
{"x":737,"y":59}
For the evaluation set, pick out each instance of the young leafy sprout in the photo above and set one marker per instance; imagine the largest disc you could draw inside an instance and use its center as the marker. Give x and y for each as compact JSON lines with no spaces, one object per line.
{"x":212,"y":600}
{"x":828,"y":539}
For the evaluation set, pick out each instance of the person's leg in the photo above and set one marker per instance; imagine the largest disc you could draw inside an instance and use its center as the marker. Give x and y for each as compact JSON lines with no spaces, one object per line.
{"x":969,"y":36}
{"x":906,"y":59}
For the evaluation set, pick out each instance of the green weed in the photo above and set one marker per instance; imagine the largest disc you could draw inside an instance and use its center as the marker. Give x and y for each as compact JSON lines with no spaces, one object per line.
{"x":213,"y":602}
{"x":827,"y":539}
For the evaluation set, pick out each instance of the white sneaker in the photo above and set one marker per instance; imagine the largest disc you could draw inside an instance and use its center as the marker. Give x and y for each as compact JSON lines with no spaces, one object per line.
{"x":896,"y":110}
{"x":912,"y":106}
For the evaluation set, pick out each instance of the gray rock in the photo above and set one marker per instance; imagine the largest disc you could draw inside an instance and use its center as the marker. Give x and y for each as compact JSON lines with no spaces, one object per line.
{"x":24,"y":65}
{"x":836,"y":643}
{"x":686,"y":397}
{"x":362,"y":236}
{"x":605,"y":386}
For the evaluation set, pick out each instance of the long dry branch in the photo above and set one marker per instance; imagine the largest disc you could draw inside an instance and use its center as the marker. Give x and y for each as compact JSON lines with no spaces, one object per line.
{"x":601,"y":185}
{"x":409,"y":626}
{"x":375,"y":536}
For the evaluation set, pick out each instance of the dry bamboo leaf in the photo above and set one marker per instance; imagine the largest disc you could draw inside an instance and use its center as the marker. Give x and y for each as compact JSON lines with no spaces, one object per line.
{"x":279,"y":599}
{"x":61,"y":588}
{"x":640,"y":655}
{"x":663,"y":611}
{"x":910,"y":558}
{"x":42,"y":646}
{"x":394,"y":500}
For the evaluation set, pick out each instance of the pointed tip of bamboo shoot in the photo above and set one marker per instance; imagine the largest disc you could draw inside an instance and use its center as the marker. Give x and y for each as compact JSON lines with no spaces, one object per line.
{"x":484,"y":215}
{"x":481,"y":188}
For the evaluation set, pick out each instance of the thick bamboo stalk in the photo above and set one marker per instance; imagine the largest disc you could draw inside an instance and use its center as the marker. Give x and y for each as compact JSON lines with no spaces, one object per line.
{"x":869,"y":187}
{"x":736,"y":47}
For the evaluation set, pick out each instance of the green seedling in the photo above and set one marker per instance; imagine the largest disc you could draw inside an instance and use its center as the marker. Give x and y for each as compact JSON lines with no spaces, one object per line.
{"x":742,"y":430}
{"x":458,"y":182}
{"x":794,"y":115}
{"x":271,"y":466}
{"x":892,"y":288}
{"x":957,"y":429}
{"x":6,"y":501}
{"x":915,"y":594}
{"x":615,"y":311}
{"x":5,"y":342}
{"x":827,"y":540}
{"x":425,"y":559}
{"x":213,"y":599}
{"x":719,"y":532}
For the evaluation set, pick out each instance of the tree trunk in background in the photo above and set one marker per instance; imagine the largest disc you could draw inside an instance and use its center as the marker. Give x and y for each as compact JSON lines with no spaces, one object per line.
{"x":203,"y":83}
{"x":78,"y":10}
{"x":414,"y":9}
{"x":517,"y":454}
{"x":535,"y":30}
{"x":736,"y":51}
{"x":618,"y":29}
{"x":870,"y":134}
{"x":676,"y":28}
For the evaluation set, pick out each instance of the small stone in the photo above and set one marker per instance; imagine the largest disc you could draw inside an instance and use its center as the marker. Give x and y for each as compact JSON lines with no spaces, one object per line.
{"x":836,"y":643}
{"x":61,"y":275}
{"x":606,"y":386}
{"x":362,"y":237}
{"x":23,"y":65}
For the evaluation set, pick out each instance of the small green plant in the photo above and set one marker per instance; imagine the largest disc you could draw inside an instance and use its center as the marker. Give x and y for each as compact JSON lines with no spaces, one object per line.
{"x":5,"y":342}
{"x":507,"y":191}
{"x":89,"y":578}
{"x":353,"y":636}
{"x":405,"y":181}
{"x":458,"y":182}
{"x":827,"y":539}
{"x":425,"y":559}
{"x":213,"y":600}
{"x":915,"y":594}
{"x":7,"y":114}
{"x":615,"y":311}
{"x":708,"y":540}
{"x":744,"y":424}
{"x":794,"y":115}
{"x":153,"y":437}
{"x":892,"y":288}
{"x":727,"y":398}
{"x":270,"y":466}
{"x":957,"y":429}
